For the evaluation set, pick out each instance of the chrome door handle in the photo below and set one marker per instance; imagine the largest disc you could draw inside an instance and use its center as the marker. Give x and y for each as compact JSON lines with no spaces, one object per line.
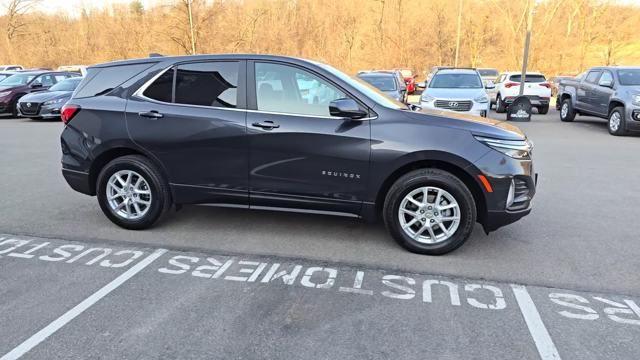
{"x":151,"y":114}
{"x":267,"y":125}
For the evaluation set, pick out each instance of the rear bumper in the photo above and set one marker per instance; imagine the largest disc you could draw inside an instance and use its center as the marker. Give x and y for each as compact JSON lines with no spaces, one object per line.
{"x":78,"y":180}
{"x":535,"y":100}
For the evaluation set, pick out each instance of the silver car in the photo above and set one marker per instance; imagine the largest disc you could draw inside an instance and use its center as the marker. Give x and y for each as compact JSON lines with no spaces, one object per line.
{"x":458,"y":90}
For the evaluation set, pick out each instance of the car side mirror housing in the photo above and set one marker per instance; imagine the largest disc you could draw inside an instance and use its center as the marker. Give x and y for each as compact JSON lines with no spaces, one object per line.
{"x":490,"y":85}
{"x":347,"y":108}
{"x":36,"y":85}
{"x":422,"y":84}
{"x":608,"y":84}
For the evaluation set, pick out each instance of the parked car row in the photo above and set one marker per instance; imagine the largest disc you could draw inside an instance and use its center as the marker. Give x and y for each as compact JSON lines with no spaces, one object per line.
{"x":36,"y":93}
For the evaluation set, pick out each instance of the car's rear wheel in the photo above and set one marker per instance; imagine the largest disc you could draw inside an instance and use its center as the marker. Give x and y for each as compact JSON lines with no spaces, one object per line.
{"x":501,"y":107}
{"x":543,"y":109}
{"x":617,"y":122}
{"x":132,"y":193}
{"x":567,"y":114}
{"x":429,"y":211}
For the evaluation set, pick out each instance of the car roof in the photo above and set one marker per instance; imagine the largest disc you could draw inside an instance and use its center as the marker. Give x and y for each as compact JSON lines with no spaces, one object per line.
{"x":520,"y":73}
{"x":457,"y":71}
{"x":377,"y":74}
{"x":616,"y":67}
{"x":183,"y":58}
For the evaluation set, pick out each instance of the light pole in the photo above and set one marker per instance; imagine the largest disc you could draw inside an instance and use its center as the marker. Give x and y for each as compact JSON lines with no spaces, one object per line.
{"x":458,"y":34}
{"x":193,"y":40}
{"x":527,"y":41}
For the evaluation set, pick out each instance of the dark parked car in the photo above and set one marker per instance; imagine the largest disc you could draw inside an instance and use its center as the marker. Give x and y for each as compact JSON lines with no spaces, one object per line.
{"x":611,"y":92}
{"x":236,"y":130}
{"x":47,"y":104}
{"x":387,"y":82}
{"x":6,"y":74}
{"x":21,"y":83}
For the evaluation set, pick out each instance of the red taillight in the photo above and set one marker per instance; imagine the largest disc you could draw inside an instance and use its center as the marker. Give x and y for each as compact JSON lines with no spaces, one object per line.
{"x":68,"y":112}
{"x":547,"y":85}
{"x":511,"y":84}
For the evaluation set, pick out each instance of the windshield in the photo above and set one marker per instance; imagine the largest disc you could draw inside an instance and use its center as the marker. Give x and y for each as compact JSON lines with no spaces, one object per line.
{"x":4,"y":76}
{"x":384,"y":83}
{"x":488,"y":72}
{"x":66,"y":85}
{"x":530,"y":78}
{"x":17,"y":80}
{"x":455,"y":81}
{"x":369,"y":91}
{"x":629,"y":77}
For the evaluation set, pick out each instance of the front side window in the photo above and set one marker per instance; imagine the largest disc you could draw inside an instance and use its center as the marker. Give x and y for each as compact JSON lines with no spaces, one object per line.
{"x":208,"y":84}
{"x":592,"y":76}
{"x":606,"y":78}
{"x":45,"y":80}
{"x":287,"y":89}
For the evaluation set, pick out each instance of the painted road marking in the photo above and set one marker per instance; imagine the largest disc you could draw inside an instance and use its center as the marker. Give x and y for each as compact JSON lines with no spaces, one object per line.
{"x":41,"y":335}
{"x":544,"y":344}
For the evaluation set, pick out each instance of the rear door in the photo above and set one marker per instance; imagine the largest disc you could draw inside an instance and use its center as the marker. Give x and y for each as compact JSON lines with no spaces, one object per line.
{"x":300,"y":156}
{"x":192,"y":118}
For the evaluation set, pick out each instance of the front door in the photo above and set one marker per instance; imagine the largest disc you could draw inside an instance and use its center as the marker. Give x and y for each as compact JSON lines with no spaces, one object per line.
{"x":602,"y":93}
{"x":300,"y":156}
{"x":192,"y":119}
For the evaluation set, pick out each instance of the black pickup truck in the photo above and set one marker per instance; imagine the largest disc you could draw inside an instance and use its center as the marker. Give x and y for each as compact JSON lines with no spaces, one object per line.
{"x":610,"y":92}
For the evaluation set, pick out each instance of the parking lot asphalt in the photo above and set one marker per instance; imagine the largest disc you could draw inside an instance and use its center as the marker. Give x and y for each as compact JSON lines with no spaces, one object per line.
{"x":577,"y":255}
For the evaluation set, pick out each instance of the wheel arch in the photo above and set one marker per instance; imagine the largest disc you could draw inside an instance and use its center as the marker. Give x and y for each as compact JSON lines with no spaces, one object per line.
{"x":614,"y":103}
{"x":458,"y":167}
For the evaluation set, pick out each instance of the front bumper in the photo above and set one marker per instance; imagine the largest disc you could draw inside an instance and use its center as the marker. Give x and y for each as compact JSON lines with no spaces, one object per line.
{"x":42,"y":112}
{"x":477,"y":109}
{"x":633,"y":118}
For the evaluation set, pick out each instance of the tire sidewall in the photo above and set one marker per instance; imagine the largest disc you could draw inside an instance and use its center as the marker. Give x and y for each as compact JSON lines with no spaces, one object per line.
{"x":457,"y":189}
{"x":158,"y":199}
{"x":569,"y":110}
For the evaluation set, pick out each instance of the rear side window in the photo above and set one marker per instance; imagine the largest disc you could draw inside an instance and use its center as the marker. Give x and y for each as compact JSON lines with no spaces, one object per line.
{"x":100,"y":81}
{"x":530,"y":78}
{"x":208,"y":84}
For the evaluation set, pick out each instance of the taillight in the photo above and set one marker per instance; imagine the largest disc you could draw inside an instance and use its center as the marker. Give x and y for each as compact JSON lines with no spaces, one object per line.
{"x":547,"y":85}
{"x":68,"y":112}
{"x":511,"y":84}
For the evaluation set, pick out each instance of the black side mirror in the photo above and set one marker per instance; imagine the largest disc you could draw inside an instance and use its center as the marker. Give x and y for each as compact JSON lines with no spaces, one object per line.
{"x":36,"y":85}
{"x":348,"y":108}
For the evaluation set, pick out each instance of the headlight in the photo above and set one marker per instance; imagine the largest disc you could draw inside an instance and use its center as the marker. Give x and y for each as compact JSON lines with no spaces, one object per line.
{"x":5,"y":93}
{"x":427,"y":98}
{"x":636,"y":99}
{"x":54,"y":101}
{"x":482,"y":99}
{"x":517,"y":149}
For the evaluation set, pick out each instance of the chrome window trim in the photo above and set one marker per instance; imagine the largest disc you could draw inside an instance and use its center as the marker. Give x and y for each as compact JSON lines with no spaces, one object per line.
{"x":139,"y":94}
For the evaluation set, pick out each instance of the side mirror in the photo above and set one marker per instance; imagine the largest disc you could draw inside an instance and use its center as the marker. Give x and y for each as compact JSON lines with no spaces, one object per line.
{"x":606,"y":83}
{"x":415,"y":107}
{"x":490,"y":85}
{"x":422,"y":84}
{"x":36,"y":85}
{"x":348,"y":108}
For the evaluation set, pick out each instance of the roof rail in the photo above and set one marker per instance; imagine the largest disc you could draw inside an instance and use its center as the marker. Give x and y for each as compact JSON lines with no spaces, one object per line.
{"x":155,"y":55}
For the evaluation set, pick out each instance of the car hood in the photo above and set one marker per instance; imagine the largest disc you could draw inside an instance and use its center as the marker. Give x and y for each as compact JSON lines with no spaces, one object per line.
{"x":393,"y":93}
{"x":633,"y":89}
{"x":43,"y":96}
{"x":457,"y":94}
{"x":477,"y":125}
{"x":11,"y":87}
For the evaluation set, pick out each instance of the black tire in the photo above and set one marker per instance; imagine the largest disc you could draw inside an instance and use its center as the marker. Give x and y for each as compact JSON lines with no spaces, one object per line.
{"x":621,"y":130}
{"x":14,"y":109}
{"x":501,"y":107}
{"x":570,"y":114}
{"x":437,"y":178}
{"x":160,"y":194}
{"x":543,"y":110}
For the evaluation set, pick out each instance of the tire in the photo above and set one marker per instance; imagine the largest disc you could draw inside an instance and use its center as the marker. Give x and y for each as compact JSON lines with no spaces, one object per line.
{"x":543,"y":110}
{"x":617,"y":128}
{"x":415,"y":181}
{"x":501,"y":107}
{"x":570,"y":113}
{"x":157,"y":188}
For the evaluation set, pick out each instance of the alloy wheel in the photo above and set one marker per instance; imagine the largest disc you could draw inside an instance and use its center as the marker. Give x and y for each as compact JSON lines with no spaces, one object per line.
{"x":128,"y":194}
{"x":564,"y":110}
{"x":429,"y":215}
{"x":614,"y":121}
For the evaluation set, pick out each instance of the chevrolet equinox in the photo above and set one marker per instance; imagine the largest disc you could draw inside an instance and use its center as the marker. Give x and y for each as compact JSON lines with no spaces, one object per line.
{"x":272,"y":132}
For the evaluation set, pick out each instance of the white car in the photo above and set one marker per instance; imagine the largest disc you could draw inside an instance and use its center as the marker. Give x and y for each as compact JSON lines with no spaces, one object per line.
{"x":459,"y":90}
{"x":507,"y":88}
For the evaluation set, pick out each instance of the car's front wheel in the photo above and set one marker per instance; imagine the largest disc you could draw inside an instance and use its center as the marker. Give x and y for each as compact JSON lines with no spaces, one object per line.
{"x":567,"y":114}
{"x":132,"y":193}
{"x":617,"y":122}
{"x":430,"y":211}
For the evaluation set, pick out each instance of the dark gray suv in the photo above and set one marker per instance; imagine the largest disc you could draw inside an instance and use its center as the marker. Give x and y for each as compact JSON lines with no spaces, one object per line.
{"x":270,"y":132}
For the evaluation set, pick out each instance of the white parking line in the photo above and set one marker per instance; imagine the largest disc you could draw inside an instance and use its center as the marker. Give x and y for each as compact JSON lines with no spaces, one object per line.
{"x":544,"y":344}
{"x":41,"y":335}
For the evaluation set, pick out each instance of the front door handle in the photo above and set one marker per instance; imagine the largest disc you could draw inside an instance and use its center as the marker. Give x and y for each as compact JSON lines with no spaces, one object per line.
{"x":267,"y":125}
{"x":151,"y":114}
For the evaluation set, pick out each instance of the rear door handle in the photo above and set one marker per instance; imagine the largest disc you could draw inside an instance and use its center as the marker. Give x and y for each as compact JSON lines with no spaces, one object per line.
{"x":151,"y":114}
{"x":267,"y":125}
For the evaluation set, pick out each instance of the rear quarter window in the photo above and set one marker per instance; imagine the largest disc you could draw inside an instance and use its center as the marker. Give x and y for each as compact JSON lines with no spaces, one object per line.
{"x":102,"y":80}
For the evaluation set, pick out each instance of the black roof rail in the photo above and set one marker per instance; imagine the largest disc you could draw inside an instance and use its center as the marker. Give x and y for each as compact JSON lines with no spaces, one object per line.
{"x":155,"y":55}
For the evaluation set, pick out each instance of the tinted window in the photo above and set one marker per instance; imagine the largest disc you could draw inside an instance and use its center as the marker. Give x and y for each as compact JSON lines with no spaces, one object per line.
{"x":384,"y":83}
{"x":282,"y":88}
{"x":592,"y":76}
{"x":606,"y":78}
{"x":45,"y":80}
{"x":208,"y":84}
{"x":456,"y":81}
{"x":530,"y":78}
{"x":488,"y":72}
{"x":61,"y":77}
{"x":629,"y":77}
{"x":162,"y":88}
{"x":100,"y":81}
{"x":17,"y":80}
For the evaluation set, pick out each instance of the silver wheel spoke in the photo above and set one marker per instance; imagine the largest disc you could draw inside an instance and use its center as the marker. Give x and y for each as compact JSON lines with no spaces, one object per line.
{"x":432,"y":234}
{"x":422,"y":229}
{"x":128,"y":194}
{"x":447,"y":207}
{"x":418,"y":219}
{"x":410,"y":223}
{"x":444,"y":229}
{"x":449,"y":218}
{"x":409,"y":212}
{"x":437,"y":202}
{"x":414,"y":201}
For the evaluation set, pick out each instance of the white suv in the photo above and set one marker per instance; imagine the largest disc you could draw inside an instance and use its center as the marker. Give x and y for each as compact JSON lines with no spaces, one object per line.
{"x":507,"y":88}
{"x":459,"y":90}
